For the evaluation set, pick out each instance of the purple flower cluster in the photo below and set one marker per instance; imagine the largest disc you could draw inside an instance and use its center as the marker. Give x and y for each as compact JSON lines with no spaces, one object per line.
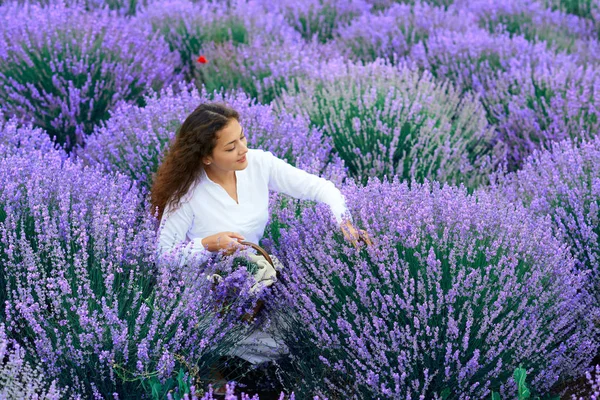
{"x":455,"y":293}
{"x":391,"y":33}
{"x":18,"y":139}
{"x":387,"y":120}
{"x":64,"y":67}
{"x":229,"y":395}
{"x":274,"y":59}
{"x":565,"y":184}
{"x":532,"y":96}
{"x":319,"y":19}
{"x":241,"y":45}
{"x":535,"y":22}
{"x":593,"y":380}
{"x":18,"y":378}
{"x":134,"y":139}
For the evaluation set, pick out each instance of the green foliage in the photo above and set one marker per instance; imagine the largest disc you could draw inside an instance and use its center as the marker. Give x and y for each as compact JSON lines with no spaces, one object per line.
{"x":176,"y":386}
{"x":387,"y":121}
{"x":581,"y":8}
{"x":523,"y":392}
{"x":320,"y":21}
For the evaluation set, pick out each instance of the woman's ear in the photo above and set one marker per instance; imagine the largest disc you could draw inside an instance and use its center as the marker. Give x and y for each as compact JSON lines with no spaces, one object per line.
{"x":206,"y":160}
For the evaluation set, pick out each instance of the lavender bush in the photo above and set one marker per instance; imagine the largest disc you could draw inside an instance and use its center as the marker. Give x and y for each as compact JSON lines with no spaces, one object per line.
{"x":468,"y":58}
{"x":63,"y":68}
{"x":121,"y":7}
{"x":230,"y":395}
{"x":531,"y":95}
{"x":18,"y":378}
{"x":534,"y":21}
{"x":391,"y":33}
{"x":187,"y":27}
{"x":455,"y":293}
{"x":533,"y":105}
{"x":565,"y":184}
{"x":134,"y":139}
{"x":319,"y":19}
{"x":385,"y":4}
{"x":388,"y":121}
{"x":263,"y":68}
{"x":82,"y":288}
{"x":16,"y":138}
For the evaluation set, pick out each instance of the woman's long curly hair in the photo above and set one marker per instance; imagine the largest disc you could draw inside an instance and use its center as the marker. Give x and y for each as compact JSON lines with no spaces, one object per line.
{"x":182,"y":164}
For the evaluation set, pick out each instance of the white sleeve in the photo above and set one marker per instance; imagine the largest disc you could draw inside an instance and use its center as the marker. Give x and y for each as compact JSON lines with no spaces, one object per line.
{"x":297,"y":183}
{"x":172,"y":237}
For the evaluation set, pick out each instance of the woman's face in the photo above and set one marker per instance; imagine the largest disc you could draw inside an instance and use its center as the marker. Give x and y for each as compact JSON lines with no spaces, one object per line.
{"x":231,"y":147}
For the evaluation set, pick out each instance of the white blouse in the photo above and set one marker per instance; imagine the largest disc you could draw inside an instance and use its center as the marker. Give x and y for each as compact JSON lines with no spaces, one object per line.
{"x":207,"y":208}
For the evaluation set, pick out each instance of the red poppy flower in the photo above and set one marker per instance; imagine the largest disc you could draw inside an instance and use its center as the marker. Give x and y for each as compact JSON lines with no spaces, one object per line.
{"x":202,"y":60}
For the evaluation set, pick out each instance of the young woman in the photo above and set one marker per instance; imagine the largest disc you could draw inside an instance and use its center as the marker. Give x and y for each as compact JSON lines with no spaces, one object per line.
{"x":212,"y":191}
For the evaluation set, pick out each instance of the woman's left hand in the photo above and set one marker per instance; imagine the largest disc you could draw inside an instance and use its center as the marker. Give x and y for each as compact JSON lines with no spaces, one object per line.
{"x":354,"y":235}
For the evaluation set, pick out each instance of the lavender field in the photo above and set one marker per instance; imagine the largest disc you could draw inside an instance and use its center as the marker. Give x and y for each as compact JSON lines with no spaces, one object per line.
{"x":465,"y":136}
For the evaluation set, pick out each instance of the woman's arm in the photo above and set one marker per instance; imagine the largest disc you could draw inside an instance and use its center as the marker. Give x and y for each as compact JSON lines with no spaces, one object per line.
{"x":173,"y":229}
{"x":297,"y":183}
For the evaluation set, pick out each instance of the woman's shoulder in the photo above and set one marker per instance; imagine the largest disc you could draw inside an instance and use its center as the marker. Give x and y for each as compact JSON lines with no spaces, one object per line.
{"x":258,"y":156}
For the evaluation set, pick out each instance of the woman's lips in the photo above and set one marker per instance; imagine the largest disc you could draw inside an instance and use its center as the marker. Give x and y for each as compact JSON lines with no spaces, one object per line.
{"x":242,"y":159}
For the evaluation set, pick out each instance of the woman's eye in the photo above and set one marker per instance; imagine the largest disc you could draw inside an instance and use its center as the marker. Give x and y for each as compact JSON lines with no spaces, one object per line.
{"x":243,"y":137}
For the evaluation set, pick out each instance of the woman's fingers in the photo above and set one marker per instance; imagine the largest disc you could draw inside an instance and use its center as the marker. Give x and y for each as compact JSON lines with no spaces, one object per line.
{"x":235,"y":235}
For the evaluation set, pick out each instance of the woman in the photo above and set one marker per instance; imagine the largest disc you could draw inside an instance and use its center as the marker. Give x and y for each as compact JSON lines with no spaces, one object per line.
{"x":212,"y":191}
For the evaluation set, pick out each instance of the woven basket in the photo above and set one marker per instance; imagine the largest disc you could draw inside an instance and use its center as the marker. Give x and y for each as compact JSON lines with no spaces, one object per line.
{"x":249,"y":317}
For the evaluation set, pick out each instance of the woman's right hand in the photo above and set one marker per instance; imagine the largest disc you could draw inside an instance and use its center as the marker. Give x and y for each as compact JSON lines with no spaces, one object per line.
{"x":223,"y":240}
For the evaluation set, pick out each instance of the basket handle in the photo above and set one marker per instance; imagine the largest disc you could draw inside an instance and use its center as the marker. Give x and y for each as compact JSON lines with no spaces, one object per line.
{"x":260,"y":250}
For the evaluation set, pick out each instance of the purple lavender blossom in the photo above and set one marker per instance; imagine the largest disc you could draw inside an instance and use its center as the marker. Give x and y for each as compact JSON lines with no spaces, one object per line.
{"x":63,"y":67}
{"x":532,"y":95}
{"x":457,"y":291}
{"x":565,"y":184}
{"x":392,"y":32}
{"x":319,"y":19}
{"x":532,"y":20}
{"x":17,"y":138}
{"x":240,"y":45}
{"x":533,"y":105}
{"x":593,"y":380}
{"x":18,"y":378}
{"x":133,"y":140}
{"x":586,"y":8}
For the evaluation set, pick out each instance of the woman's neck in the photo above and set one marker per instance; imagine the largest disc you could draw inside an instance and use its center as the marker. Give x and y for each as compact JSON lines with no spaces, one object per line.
{"x":223,"y":178}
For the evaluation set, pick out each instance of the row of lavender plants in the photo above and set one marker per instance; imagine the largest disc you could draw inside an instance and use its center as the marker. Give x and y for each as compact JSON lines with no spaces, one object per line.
{"x":473,"y":124}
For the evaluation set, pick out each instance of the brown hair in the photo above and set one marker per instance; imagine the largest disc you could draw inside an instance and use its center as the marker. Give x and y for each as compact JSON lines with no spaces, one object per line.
{"x":182,"y":164}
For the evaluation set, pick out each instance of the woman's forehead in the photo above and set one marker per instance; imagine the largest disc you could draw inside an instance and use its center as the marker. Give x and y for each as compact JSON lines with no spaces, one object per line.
{"x":230,"y":132}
